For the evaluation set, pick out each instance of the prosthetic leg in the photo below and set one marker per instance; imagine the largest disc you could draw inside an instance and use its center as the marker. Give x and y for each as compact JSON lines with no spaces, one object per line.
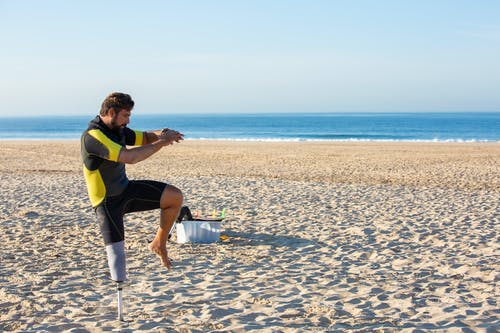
{"x":117,"y":262}
{"x":117,"y":265}
{"x":119,"y":289}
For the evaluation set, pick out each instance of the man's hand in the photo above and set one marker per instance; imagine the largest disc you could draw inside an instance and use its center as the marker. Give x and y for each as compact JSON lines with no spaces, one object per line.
{"x":168,"y":136}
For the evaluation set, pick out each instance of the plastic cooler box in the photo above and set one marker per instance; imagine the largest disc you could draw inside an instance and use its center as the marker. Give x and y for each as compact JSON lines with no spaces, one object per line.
{"x":198,"y":231}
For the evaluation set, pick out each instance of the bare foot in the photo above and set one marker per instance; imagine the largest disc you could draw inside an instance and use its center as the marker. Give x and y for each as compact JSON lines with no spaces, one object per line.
{"x":161,"y":251}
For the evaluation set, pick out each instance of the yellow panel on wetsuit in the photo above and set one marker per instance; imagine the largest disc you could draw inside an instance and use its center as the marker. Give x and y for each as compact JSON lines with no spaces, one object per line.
{"x":113,"y":147}
{"x":139,"y":138}
{"x":95,"y":186}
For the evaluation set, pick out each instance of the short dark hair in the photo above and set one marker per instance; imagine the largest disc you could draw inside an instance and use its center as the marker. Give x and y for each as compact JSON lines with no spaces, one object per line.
{"x":116,"y":101}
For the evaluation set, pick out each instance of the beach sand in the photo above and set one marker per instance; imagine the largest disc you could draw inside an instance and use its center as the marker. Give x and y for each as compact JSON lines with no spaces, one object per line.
{"x":323,"y":237}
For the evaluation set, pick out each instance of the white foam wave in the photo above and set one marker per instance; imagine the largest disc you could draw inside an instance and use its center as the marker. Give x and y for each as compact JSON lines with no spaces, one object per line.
{"x":343,"y":140}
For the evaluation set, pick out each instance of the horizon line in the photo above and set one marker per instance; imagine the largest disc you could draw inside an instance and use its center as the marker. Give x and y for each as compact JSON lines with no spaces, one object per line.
{"x":49,"y":115}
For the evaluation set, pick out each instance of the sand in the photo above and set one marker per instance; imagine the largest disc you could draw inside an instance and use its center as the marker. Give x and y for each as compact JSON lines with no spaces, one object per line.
{"x":323,"y":237}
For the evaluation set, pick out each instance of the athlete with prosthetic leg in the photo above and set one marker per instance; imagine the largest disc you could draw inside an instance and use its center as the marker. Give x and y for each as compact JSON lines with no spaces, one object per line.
{"x":106,"y":146}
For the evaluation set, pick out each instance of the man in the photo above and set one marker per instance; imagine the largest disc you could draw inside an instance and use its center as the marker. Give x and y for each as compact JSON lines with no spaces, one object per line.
{"x":106,"y":146}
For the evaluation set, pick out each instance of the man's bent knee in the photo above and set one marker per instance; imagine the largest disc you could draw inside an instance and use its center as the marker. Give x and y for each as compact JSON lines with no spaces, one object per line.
{"x":171,"y":197}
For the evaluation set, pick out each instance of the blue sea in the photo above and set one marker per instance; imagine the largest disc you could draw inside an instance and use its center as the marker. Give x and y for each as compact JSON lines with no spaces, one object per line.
{"x":408,"y":127}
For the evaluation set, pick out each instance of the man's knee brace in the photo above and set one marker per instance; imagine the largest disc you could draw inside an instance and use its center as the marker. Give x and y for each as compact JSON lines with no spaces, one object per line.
{"x":116,"y":261}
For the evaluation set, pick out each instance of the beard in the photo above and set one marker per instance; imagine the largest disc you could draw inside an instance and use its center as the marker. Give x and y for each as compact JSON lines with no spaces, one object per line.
{"x":115,"y":126}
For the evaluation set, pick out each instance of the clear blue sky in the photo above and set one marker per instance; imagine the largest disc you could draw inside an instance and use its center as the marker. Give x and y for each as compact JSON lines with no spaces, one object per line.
{"x":64,"y":57}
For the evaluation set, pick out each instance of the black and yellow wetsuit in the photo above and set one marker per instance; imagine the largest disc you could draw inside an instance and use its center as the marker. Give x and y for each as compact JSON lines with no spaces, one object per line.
{"x":111,"y":193}
{"x":100,"y":146}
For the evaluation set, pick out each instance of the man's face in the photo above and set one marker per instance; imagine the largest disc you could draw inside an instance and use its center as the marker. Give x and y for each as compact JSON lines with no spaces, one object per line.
{"x":120,"y":120}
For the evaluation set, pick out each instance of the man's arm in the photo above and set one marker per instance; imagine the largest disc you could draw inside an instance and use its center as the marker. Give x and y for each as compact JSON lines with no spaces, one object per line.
{"x":151,"y":136}
{"x":154,"y":142}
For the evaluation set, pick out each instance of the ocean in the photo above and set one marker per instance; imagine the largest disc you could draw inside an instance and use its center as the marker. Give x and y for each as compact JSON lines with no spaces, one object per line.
{"x":405,"y":127}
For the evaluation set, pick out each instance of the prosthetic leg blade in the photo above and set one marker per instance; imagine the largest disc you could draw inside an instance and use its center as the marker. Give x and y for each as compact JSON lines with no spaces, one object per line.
{"x":119,"y":289}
